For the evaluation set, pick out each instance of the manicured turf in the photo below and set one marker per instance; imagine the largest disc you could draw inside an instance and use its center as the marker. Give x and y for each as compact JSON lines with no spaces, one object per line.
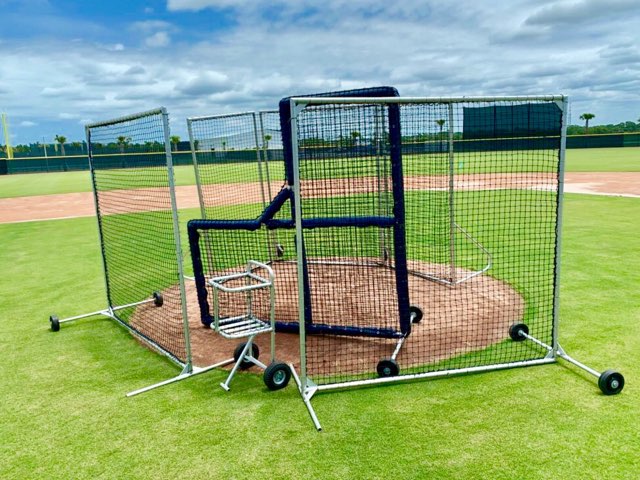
{"x":603,"y":159}
{"x":64,"y":414}
{"x":578,"y":160}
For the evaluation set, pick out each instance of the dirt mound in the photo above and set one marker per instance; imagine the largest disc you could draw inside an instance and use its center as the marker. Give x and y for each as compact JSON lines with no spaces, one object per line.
{"x":457,"y":319}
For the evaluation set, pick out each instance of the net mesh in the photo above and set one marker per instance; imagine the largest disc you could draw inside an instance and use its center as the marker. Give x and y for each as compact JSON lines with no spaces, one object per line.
{"x":480,"y":223}
{"x":227,"y":253}
{"x":136,"y":228}
{"x":238,"y":160}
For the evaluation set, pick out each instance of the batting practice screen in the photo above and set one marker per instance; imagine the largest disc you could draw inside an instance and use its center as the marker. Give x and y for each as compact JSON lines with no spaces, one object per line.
{"x":138,"y":229}
{"x":474,"y":237}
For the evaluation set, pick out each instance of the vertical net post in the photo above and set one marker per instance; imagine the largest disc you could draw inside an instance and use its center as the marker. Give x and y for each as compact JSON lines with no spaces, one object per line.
{"x":452,"y":217}
{"x":194,"y":157}
{"x":297,"y":208}
{"x":563,"y":105}
{"x":176,"y":235}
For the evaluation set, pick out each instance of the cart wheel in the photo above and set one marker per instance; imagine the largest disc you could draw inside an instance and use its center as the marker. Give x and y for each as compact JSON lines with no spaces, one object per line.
{"x":55,"y":323}
{"x":416,"y":313}
{"x":388,"y":367}
{"x":158,"y":301}
{"x":255,"y":353}
{"x":515,"y":329}
{"x":277,"y":375}
{"x":611,"y":382}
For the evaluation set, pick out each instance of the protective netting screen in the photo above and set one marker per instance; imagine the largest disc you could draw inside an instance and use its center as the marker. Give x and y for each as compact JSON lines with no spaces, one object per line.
{"x":225,"y":251}
{"x":136,"y":225}
{"x":237,"y":163}
{"x":480,"y":221}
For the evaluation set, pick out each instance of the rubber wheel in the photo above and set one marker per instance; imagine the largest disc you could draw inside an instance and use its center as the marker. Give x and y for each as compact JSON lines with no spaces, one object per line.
{"x":388,"y":367}
{"x":515,"y":329}
{"x":255,"y":353}
{"x":55,"y":323}
{"x":611,"y":382}
{"x":158,"y":301}
{"x":416,"y":313}
{"x":277,"y":375}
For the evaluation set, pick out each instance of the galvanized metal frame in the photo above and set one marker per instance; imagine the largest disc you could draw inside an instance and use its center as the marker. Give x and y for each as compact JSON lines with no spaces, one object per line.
{"x":188,"y":369}
{"x":305,"y":384}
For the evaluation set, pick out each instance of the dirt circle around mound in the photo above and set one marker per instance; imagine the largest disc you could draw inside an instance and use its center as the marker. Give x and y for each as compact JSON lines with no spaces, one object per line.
{"x":457,"y":319}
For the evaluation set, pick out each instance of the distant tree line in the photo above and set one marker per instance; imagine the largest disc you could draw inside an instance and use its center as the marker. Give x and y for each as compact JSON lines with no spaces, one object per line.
{"x":123,"y":144}
{"x":586,"y":129}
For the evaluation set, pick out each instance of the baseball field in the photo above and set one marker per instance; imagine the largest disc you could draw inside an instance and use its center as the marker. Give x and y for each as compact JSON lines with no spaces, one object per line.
{"x":65,"y":415}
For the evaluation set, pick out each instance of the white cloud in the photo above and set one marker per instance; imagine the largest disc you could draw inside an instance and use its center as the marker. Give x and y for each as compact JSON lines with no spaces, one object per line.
{"x":195,"y":5}
{"x":148,"y":26}
{"x":205,"y":83}
{"x":574,"y":13}
{"x":27,"y":123}
{"x":158,"y":39}
{"x":421,"y":47}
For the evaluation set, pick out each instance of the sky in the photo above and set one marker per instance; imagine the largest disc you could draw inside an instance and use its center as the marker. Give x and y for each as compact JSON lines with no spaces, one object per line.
{"x":67,"y":63}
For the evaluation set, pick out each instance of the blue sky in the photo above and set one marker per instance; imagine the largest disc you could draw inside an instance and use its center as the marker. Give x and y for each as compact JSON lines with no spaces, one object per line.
{"x":66,"y":63}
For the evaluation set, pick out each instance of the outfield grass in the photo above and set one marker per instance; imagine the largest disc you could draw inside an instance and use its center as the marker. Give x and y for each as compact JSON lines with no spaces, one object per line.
{"x":578,"y":160}
{"x":603,"y":159}
{"x":64,"y":414}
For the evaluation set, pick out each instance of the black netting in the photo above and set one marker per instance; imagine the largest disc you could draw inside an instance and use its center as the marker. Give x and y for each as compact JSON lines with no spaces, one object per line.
{"x":137,"y":227}
{"x":238,"y":160}
{"x":480,"y":219}
{"x":226,"y":252}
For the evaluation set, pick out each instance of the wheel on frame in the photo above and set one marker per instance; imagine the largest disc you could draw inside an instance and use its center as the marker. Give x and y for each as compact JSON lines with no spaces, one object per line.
{"x":416,"y":313}
{"x":255,"y":353}
{"x":388,"y":367}
{"x":611,"y":382}
{"x":515,"y":329}
{"x":158,"y":301}
{"x":55,"y":323}
{"x":277,"y":375}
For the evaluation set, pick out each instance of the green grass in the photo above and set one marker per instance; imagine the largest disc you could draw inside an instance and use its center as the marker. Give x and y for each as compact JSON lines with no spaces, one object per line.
{"x":603,"y":160}
{"x":64,"y":414}
{"x":578,"y":160}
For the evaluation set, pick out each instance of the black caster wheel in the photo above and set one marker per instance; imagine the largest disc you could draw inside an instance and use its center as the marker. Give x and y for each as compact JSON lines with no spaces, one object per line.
{"x":255,"y":353}
{"x":515,"y":329}
{"x":388,"y":367}
{"x":55,"y":323}
{"x":416,"y":313}
{"x":277,"y":375}
{"x":158,"y":301}
{"x":611,"y":382}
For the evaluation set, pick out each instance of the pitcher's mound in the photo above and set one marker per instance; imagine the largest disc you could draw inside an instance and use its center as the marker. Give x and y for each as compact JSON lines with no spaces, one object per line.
{"x":457,"y":319}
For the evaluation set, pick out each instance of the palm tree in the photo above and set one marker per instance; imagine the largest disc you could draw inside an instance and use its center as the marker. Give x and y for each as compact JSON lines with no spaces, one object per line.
{"x":175,"y":139}
{"x":586,"y":117}
{"x":266,"y":140}
{"x":61,"y":139}
{"x":355,"y":135}
{"x":123,"y":142}
{"x":224,"y":145}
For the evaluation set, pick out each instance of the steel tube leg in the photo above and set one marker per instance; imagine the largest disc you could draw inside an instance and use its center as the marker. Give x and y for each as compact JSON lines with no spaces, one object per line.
{"x":306,"y":398}
{"x":182,"y":376}
{"x":609,"y":381}
{"x":225,"y":384}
